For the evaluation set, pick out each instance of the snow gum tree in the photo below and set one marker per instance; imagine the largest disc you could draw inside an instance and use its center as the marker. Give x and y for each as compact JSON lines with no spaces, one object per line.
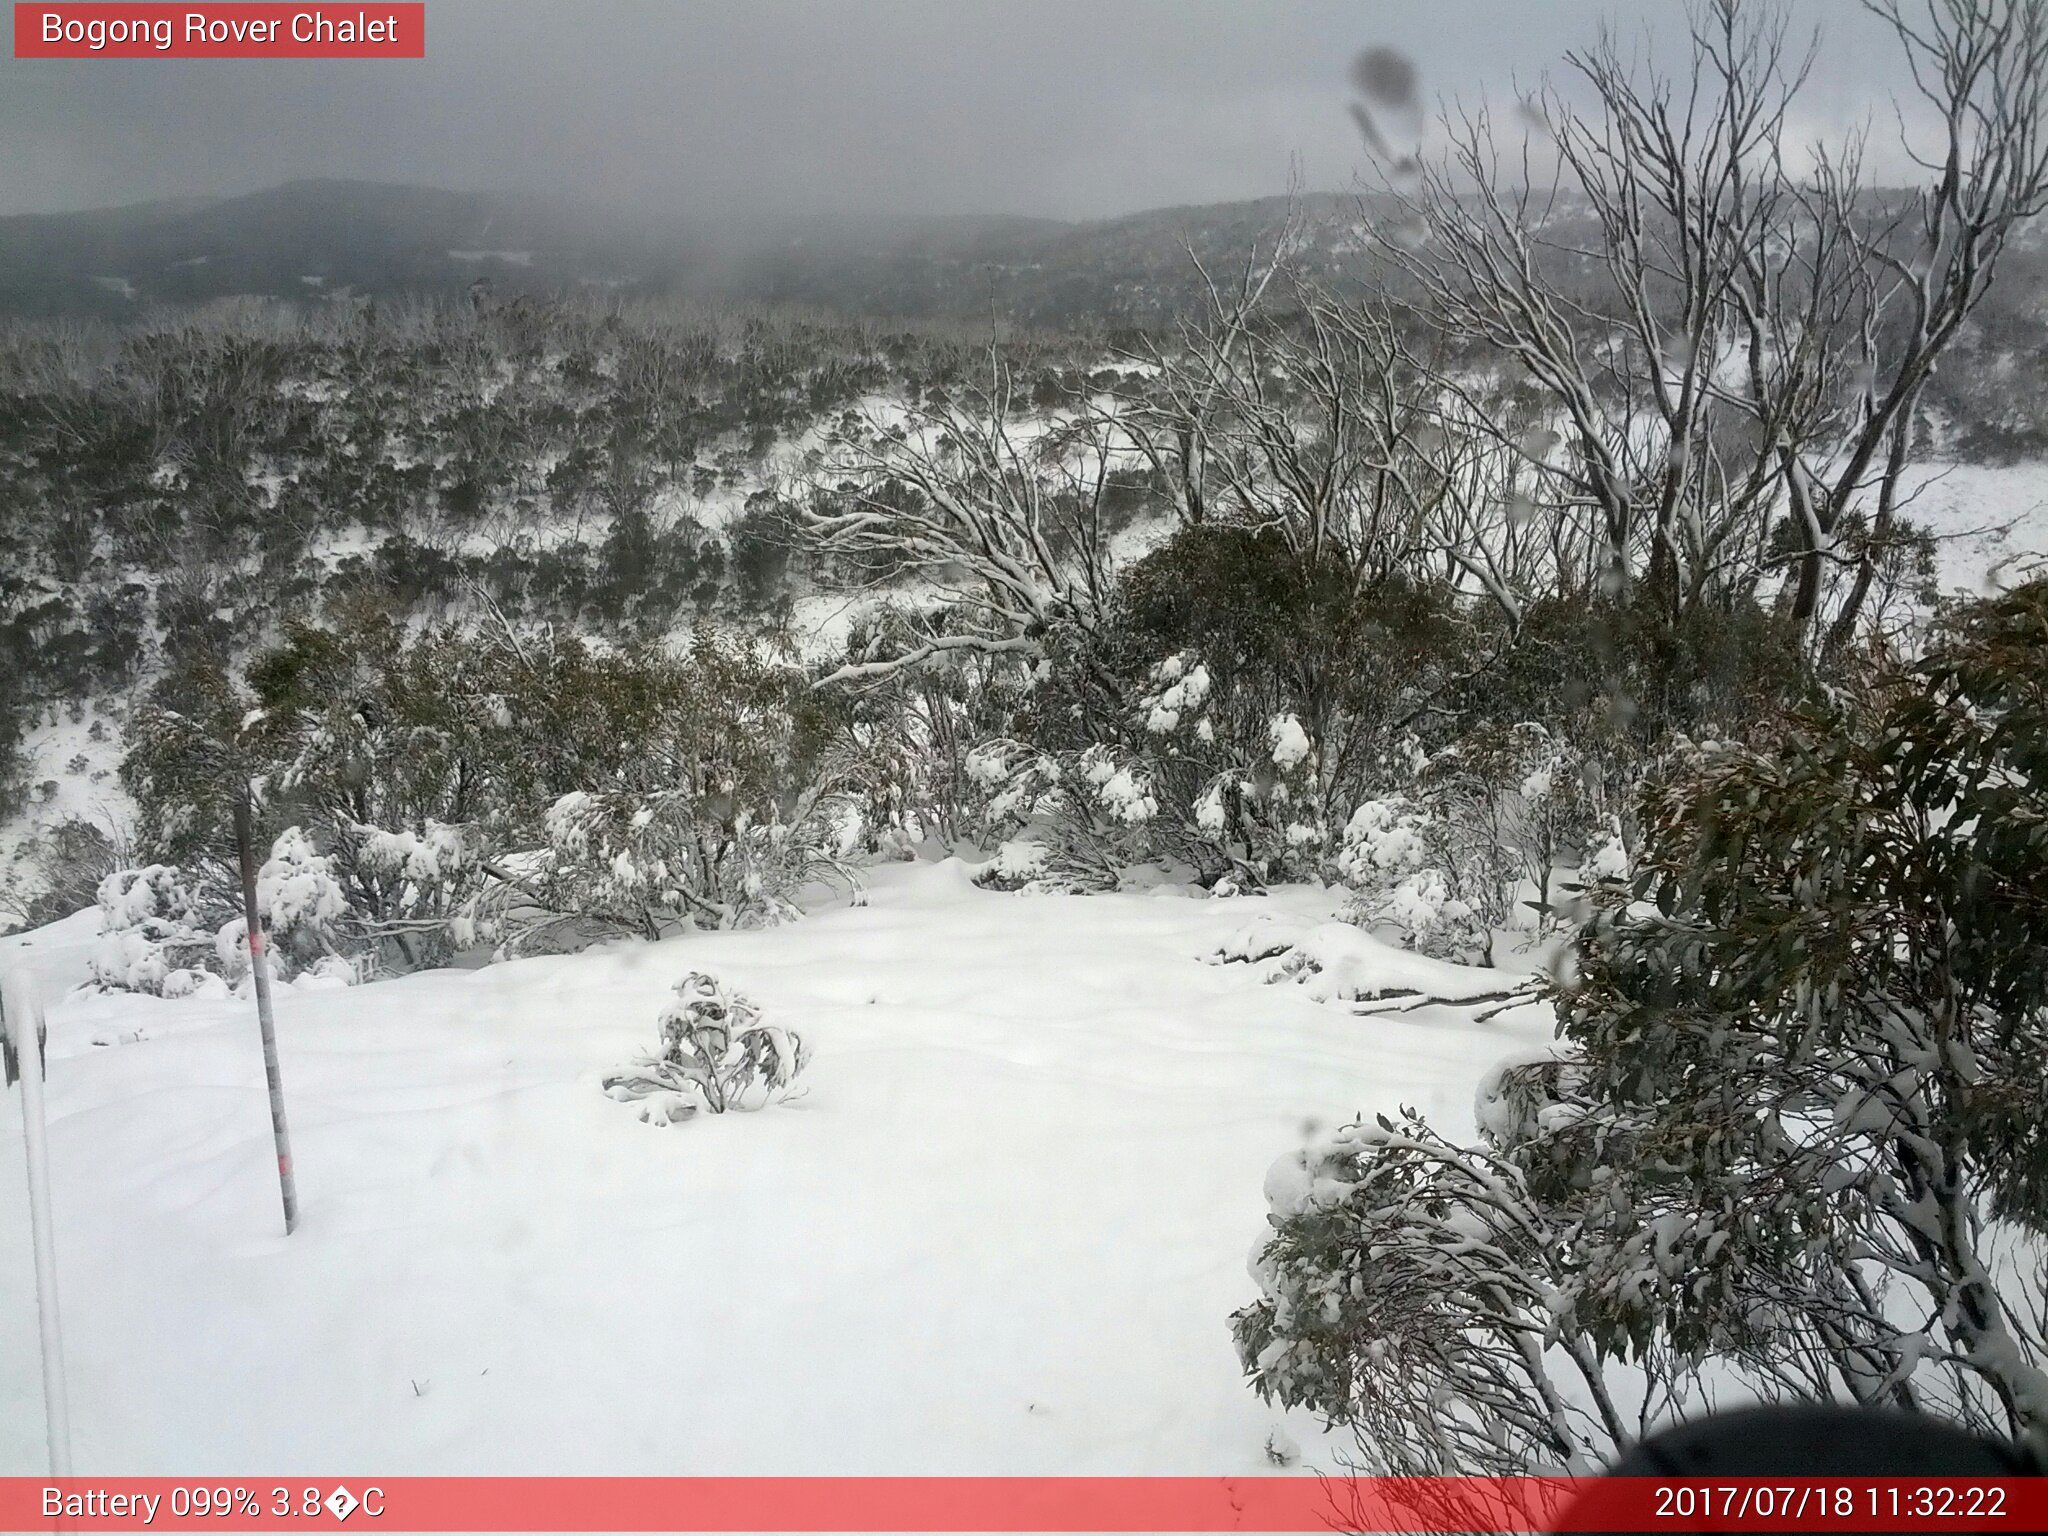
{"x":1828,"y":1034}
{"x":1789,"y":1135}
{"x":1731,"y":344}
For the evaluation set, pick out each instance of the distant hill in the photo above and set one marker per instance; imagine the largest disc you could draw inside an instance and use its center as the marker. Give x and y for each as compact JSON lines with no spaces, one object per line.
{"x":309,"y":240}
{"x":1134,"y":269}
{"x":313,"y":241}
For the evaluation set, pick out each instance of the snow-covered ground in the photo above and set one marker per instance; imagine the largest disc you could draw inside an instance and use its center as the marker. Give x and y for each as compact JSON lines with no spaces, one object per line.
{"x":1001,"y":1232}
{"x":1990,"y":521}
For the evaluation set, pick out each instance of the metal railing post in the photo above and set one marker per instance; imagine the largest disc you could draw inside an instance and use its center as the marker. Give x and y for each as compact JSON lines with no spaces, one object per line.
{"x":21,"y":1019}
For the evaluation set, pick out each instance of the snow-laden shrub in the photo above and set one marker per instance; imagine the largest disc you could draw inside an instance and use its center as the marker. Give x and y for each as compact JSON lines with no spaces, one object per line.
{"x":298,"y":899}
{"x":157,"y":929}
{"x":428,"y":894}
{"x":1012,"y":779}
{"x":1492,"y":832}
{"x":655,"y":862}
{"x":1606,"y":856}
{"x":910,"y":735}
{"x":1223,"y":716}
{"x":1405,"y":1292}
{"x":327,"y":973}
{"x":1786,"y":1135}
{"x":1122,"y":789}
{"x":1244,"y":806}
{"x":717,"y":1053}
{"x":1393,"y":857}
{"x":1179,"y":702}
{"x":1288,"y":741}
{"x":156,"y":896}
{"x":170,"y":932}
{"x":194,"y":983}
{"x":1275,"y":676}
{"x":1083,"y":815}
{"x":1159,"y":788}
{"x":1017,"y":865}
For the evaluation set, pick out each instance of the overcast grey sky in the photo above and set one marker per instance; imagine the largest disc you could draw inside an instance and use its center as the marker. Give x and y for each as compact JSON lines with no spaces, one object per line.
{"x":728,"y":108}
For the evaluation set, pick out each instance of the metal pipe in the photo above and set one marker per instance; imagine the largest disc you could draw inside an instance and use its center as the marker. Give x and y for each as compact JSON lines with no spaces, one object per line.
{"x":21,"y":1015}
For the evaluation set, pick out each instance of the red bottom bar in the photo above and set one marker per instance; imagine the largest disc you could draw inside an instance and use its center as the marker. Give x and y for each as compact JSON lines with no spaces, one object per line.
{"x":1015,"y":1504}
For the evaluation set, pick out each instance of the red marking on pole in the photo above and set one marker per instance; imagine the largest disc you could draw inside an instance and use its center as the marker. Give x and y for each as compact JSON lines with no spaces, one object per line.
{"x":255,"y":941}
{"x":284,"y":1167}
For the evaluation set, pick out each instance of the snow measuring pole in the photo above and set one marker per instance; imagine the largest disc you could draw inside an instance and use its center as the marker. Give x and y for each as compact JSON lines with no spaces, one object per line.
{"x":259,"y":971}
{"x":21,"y":1046}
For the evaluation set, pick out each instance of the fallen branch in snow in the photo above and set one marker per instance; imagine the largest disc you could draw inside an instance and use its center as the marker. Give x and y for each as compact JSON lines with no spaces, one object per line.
{"x":871,"y":671}
{"x":1508,"y":997}
{"x":1339,"y":963}
{"x":1251,"y":957}
{"x":1521,"y":997}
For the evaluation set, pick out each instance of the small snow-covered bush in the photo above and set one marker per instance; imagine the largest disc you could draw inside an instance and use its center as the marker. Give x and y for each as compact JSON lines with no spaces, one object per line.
{"x":716,"y":1052}
{"x":157,"y":929}
{"x":1393,"y":856}
{"x":1080,"y":817}
{"x":1016,"y":865}
{"x":426,"y":893}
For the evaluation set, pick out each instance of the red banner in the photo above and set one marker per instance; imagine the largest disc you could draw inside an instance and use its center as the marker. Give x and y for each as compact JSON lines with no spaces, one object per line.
{"x":1012,"y":1504}
{"x":215,"y":31}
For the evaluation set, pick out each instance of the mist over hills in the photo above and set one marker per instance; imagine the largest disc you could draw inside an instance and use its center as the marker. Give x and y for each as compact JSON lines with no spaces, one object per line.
{"x":326,"y":239}
{"x":306,"y":239}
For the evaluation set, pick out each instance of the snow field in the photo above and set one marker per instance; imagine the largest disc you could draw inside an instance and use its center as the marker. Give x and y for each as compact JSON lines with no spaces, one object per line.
{"x":1001,"y":1231}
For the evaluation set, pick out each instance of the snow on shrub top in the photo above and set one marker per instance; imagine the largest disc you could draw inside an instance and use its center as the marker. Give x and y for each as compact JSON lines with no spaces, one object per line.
{"x":156,"y":893}
{"x":1384,"y":838}
{"x":419,"y":857}
{"x":295,"y":888}
{"x":1182,"y":691}
{"x":154,"y":930}
{"x":1289,"y":742}
{"x":167,"y":931}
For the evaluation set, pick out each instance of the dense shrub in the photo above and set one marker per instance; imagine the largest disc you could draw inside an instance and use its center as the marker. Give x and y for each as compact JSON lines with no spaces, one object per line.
{"x":1791,"y":1111}
{"x":1239,"y":701}
{"x":1623,"y":678}
{"x":1478,"y":837}
{"x":158,"y":930}
{"x":488,"y":786}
